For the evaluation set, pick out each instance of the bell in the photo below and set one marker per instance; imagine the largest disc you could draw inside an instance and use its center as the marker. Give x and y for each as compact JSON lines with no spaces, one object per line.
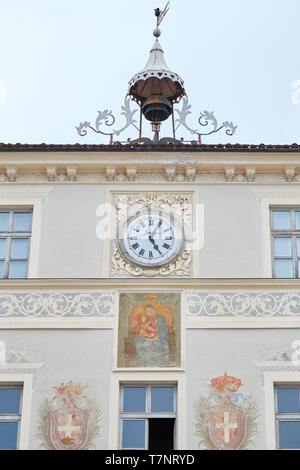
{"x":157,"y":108}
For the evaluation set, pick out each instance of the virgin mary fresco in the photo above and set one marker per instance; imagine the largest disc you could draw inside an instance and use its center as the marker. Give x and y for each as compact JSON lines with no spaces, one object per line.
{"x":150,"y":339}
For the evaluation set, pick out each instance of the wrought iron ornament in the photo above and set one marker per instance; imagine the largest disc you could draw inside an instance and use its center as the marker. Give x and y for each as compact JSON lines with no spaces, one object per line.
{"x":156,"y":89}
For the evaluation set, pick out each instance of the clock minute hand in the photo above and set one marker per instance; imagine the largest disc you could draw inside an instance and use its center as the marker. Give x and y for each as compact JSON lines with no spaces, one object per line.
{"x":158,"y":225}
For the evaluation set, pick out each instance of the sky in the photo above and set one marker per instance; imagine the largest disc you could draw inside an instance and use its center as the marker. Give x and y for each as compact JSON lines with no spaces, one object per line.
{"x":61,"y":61}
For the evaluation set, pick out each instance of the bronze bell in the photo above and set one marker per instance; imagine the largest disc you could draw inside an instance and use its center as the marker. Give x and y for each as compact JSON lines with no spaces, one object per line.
{"x":157,"y":108}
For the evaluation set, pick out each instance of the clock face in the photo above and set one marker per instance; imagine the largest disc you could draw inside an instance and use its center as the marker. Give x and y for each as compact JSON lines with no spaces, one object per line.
{"x":151,"y":239}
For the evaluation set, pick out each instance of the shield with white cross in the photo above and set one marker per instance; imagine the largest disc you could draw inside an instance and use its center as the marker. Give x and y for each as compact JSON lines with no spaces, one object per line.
{"x":226,"y":425}
{"x":68,"y":428}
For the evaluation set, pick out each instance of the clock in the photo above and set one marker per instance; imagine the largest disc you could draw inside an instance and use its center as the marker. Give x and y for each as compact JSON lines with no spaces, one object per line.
{"x":151,"y":238}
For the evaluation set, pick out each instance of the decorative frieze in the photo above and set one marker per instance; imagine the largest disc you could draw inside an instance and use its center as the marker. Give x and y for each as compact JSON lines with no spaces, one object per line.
{"x":243,"y":304}
{"x":56,"y":305}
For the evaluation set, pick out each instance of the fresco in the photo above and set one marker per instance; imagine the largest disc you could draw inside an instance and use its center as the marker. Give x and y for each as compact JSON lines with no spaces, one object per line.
{"x":69,"y":420}
{"x":226,"y":419}
{"x":149,"y":330}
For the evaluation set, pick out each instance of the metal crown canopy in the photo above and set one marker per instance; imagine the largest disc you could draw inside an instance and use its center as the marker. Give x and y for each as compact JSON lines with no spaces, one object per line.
{"x":156,"y":78}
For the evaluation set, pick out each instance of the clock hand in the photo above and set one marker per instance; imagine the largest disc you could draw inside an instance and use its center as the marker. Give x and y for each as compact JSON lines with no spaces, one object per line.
{"x":158,"y":225}
{"x":154,"y":245}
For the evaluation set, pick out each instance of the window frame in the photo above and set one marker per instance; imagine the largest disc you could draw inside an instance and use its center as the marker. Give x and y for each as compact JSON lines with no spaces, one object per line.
{"x":271,"y":380}
{"x":147,"y":414}
{"x":171,"y":377}
{"x":280,"y":417}
{"x":26,"y":382}
{"x":292,"y":233}
{"x":13,"y":417}
{"x":11,"y":234}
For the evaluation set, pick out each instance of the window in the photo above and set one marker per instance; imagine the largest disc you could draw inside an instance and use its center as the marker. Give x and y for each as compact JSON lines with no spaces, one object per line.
{"x":147,"y":417}
{"x":15,"y":234}
{"x":10,"y":416}
{"x":285,"y":230}
{"x":287,"y":409}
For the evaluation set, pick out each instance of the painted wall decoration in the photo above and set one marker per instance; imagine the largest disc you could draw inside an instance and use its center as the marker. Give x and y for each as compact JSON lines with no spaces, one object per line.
{"x":69,"y":421}
{"x":226,"y":419}
{"x":149,"y":330}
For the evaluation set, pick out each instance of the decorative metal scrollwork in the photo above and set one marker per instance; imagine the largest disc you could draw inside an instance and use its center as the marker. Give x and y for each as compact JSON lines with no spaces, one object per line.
{"x":109,"y":120}
{"x":204,"y":120}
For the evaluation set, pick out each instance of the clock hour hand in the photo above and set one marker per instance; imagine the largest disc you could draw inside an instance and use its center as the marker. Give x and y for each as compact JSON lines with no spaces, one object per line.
{"x":154,"y":245}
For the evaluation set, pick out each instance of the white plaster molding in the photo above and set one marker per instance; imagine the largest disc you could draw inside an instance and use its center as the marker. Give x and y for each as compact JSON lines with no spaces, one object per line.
{"x":131,"y":173}
{"x":71,"y":173}
{"x":170,"y":173}
{"x":250,"y":173}
{"x":26,"y":380}
{"x":266,"y":200}
{"x":51,"y":173}
{"x":229,"y":172}
{"x":190,"y":173}
{"x":290,"y":173}
{"x":110,"y":173}
{"x":270,"y":379}
{"x":35,"y":198}
{"x":11,"y":173}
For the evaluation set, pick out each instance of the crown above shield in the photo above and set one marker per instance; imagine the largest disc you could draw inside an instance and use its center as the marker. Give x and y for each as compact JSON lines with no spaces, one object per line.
{"x":226,"y":383}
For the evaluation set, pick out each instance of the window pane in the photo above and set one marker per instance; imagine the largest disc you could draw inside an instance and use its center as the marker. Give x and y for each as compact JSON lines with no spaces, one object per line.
{"x":134,"y":399}
{"x":162,"y":399}
{"x":17,"y":269}
{"x":19,"y":247}
{"x":1,"y":269}
{"x":288,"y":400}
{"x":283,"y":268}
{"x":2,"y":247}
{"x":282,"y":246}
{"x":10,"y":400}
{"x":134,"y":434}
{"x":297,"y":217}
{"x":8,"y":435}
{"x":22,"y":221}
{"x":289,"y":434}
{"x":281,"y":220}
{"x":4,"y":218}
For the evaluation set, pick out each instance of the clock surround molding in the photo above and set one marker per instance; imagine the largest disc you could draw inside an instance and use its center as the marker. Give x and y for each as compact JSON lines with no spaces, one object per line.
{"x":127,"y":205}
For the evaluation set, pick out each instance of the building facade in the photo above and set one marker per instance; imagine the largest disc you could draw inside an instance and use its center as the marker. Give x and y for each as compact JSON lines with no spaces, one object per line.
{"x":191,"y":346}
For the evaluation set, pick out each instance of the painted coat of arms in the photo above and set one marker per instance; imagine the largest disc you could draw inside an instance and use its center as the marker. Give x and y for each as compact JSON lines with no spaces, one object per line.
{"x":226,"y":419}
{"x":69,"y":421}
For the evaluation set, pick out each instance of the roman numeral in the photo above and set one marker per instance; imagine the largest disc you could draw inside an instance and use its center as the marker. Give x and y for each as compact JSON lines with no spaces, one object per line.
{"x":150,"y":254}
{"x":141,"y":253}
{"x":135,"y":246}
{"x":166,"y":246}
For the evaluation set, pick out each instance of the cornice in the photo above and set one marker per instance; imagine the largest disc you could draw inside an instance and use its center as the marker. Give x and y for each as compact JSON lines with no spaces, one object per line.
{"x":146,"y":284}
{"x":149,"y":165}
